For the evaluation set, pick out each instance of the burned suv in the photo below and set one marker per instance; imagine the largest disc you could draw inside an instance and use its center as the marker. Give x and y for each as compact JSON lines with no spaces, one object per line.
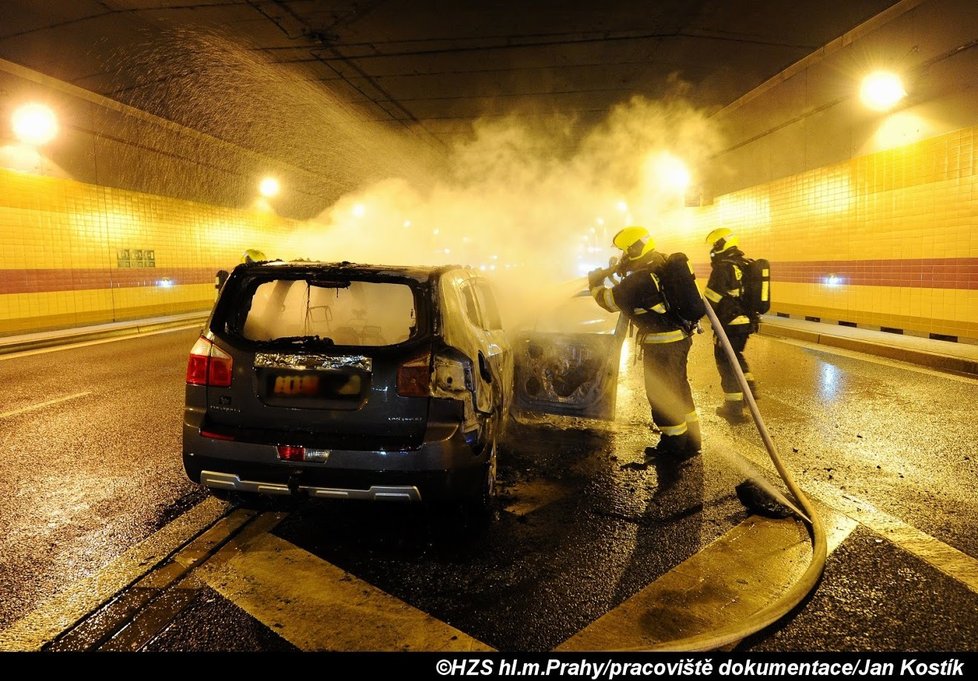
{"x":346,"y":381}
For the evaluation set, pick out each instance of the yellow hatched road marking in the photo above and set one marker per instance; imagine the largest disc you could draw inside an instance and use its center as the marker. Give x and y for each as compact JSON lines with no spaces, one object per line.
{"x":939,"y":555}
{"x":82,"y":597}
{"x":730,"y":579}
{"x":317,"y":606}
{"x":949,"y":560}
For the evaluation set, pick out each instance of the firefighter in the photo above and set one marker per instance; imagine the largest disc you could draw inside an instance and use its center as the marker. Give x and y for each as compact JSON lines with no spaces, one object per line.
{"x":725,"y":293}
{"x":252,"y":255}
{"x":664,"y":342}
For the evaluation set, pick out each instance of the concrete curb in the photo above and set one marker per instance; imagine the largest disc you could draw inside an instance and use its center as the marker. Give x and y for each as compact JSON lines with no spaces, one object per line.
{"x":928,"y":359}
{"x":135,"y":327}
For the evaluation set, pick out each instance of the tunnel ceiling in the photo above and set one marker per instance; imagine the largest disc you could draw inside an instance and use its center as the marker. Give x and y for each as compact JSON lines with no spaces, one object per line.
{"x":242,"y":70}
{"x":435,"y":66}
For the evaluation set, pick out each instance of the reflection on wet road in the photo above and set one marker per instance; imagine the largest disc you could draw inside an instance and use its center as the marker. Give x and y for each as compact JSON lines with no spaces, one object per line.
{"x":586,"y":545}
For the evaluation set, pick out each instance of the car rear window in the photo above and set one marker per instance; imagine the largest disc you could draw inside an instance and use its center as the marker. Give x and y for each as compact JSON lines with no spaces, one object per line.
{"x":342,"y":311}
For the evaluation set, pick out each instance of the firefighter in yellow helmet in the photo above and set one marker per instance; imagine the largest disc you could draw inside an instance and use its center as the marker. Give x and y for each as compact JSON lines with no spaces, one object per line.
{"x":252,"y":255}
{"x":725,"y":293}
{"x":665,"y":341}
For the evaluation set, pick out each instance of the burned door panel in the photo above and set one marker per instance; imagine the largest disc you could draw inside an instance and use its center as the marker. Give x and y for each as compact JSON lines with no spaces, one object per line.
{"x":568,"y":363}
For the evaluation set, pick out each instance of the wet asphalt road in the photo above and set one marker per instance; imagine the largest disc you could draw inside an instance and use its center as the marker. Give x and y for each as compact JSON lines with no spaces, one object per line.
{"x":579,"y":527}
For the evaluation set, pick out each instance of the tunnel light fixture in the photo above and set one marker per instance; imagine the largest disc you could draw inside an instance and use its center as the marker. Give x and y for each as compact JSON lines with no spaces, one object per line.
{"x":269,"y":187}
{"x":669,"y":173}
{"x":35,"y":124}
{"x":359,"y":210}
{"x":882,"y":90}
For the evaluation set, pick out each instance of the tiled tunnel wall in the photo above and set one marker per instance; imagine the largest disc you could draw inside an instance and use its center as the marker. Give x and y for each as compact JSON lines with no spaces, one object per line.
{"x":858,"y":230}
{"x":887,"y":240}
{"x":868,"y":218}
{"x":73,"y":254}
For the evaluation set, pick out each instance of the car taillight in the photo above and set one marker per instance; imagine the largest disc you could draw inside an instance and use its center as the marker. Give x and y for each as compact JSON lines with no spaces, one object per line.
{"x":414,"y":377}
{"x":219,"y":370}
{"x":291,"y":452}
{"x":209,"y":365}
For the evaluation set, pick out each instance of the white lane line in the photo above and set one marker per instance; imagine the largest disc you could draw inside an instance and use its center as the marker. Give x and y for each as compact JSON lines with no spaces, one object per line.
{"x":78,"y":599}
{"x":101,"y":341}
{"x":41,"y":405}
{"x":317,"y":606}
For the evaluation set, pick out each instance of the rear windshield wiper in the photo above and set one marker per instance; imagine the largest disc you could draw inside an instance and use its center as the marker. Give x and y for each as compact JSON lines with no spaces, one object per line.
{"x":304,"y":340}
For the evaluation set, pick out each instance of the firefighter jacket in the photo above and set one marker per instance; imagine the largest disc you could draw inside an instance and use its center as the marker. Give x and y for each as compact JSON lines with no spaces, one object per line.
{"x":639,"y":297}
{"x":725,"y":291}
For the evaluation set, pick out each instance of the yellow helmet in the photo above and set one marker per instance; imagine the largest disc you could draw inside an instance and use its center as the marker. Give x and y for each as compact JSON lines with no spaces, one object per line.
{"x":253,"y":255}
{"x":635,"y":241}
{"x":720,"y":239}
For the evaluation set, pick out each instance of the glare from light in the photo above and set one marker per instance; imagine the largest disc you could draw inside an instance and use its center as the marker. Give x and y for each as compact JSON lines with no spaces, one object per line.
{"x":359,"y":210}
{"x":165,"y":283}
{"x":407,"y":223}
{"x":882,"y":90}
{"x":833,"y":281}
{"x":622,"y":207}
{"x":600,"y":222}
{"x":829,"y":383}
{"x":670,"y":173}
{"x":35,"y":124}
{"x":269,"y":187}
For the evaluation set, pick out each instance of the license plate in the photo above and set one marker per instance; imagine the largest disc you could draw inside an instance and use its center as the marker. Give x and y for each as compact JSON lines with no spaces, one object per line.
{"x":323,"y":384}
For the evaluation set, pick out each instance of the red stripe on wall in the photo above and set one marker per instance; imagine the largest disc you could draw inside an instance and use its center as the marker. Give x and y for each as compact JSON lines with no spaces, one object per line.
{"x":952,"y":273}
{"x":53,"y":280}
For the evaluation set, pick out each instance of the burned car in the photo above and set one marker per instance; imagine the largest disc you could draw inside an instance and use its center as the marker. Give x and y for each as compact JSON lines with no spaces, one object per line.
{"x":567,"y":361}
{"x":346,"y":381}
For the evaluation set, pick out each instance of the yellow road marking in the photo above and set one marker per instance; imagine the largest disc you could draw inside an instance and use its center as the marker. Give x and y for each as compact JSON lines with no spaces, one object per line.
{"x":317,"y":606}
{"x":947,"y":559}
{"x":41,"y":405}
{"x":48,"y":620}
{"x":730,"y":579}
{"x":939,"y":555}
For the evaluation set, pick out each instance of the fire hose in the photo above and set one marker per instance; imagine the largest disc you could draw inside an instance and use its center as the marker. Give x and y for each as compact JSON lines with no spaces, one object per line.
{"x":770,"y":614}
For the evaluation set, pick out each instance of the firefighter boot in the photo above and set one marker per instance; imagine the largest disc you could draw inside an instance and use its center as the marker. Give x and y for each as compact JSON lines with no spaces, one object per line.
{"x":752,"y":384}
{"x":669,"y":447}
{"x":732,"y":410}
{"x":694,"y":437}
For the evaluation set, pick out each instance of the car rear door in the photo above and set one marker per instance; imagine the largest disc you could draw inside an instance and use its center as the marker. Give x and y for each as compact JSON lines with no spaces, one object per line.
{"x":353,"y":392}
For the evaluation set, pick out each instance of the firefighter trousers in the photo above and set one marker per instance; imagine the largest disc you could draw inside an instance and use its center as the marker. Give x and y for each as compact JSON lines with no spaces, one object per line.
{"x":667,"y":388}
{"x":732,"y":390}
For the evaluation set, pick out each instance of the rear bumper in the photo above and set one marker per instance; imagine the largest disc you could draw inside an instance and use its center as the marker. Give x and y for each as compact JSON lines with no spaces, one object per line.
{"x":443,"y":467}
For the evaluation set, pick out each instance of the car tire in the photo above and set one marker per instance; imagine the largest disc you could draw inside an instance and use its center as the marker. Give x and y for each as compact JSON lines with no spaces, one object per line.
{"x":482,"y":501}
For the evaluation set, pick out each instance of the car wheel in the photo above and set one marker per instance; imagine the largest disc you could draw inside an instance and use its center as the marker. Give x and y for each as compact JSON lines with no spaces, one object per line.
{"x":482,"y":502}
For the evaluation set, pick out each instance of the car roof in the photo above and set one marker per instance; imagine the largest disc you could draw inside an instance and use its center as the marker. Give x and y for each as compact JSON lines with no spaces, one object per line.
{"x":417,"y":272}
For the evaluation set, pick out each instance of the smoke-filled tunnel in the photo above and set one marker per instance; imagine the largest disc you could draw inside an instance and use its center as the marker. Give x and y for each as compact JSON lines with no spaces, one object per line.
{"x":491,"y":153}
